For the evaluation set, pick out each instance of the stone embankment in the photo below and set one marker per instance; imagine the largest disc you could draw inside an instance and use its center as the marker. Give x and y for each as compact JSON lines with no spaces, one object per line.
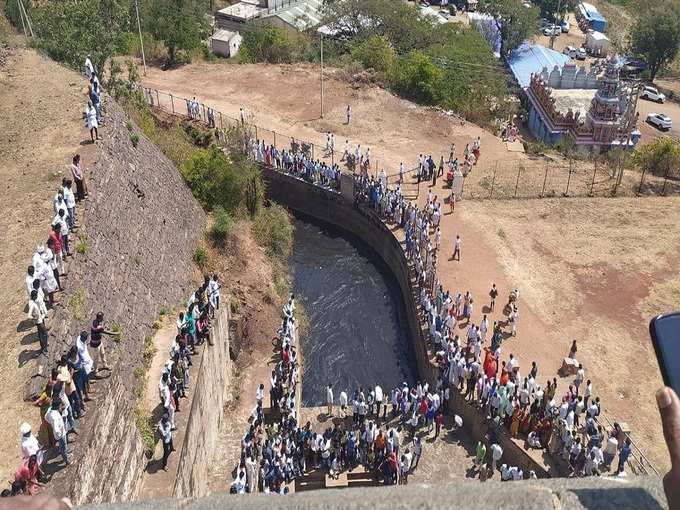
{"x":139,"y":227}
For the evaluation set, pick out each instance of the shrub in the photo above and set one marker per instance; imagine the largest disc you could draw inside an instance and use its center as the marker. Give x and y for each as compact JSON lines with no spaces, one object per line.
{"x":134,"y":138}
{"x":416,"y":77}
{"x":375,"y":53}
{"x":129,"y":125}
{"x":274,"y":231}
{"x":200,"y":257}
{"x":81,"y":244}
{"x":148,"y":351}
{"x":272,"y":44}
{"x":221,"y":226}
{"x":76,"y":305}
{"x":145,"y":426}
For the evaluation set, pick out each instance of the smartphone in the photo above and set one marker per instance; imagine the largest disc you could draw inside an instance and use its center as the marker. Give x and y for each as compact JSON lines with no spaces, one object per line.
{"x":665,"y":332}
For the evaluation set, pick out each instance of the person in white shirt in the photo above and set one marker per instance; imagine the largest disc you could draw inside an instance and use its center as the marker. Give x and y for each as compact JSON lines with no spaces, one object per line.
{"x":89,"y":68}
{"x":610,"y":451}
{"x":329,"y":399}
{"x":378,"y":400}
{"x":61,"y":219}
{"x":29,"y":444}
{"x":70,"y":201}
{"x":214,"y":294}
{"x":35,"y":312}
{"x":92,"y":122}
{"x":165,"y":431}
{"x":259,"y":395}
{"x":496,"y":454}
{"x":56,"y":421}
{"x":85,"y":358}
{"x":456,"y":249}
{"x":343,"y":404}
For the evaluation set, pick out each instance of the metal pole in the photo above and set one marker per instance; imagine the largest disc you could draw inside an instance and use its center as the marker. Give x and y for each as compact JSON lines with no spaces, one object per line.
{"x":172,"y":102}
{"x":141,"y":39}
{"x":21,"y":14}
{"x":566,"y":192}
{"x":493,"y":180}
{"x":322,"y":76}
{"x":28,"y":20}
{"x":158,"y":101}
{"x":274,"y":138}
{"x":642,"y":179}
{"x":519,"y":169}
{"x":592,"y":183}
{"x":545,"y":179}
{"x":221,"y":123}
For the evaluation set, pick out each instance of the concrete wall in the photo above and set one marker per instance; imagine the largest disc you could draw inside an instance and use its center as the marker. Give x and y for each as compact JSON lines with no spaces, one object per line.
{"x":141,"y":224}
{"x":362,"y":222}
{"x":199,"y":448}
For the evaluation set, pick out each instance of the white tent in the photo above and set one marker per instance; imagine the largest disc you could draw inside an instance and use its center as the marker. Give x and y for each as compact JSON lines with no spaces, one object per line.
{"x":598,"y":44}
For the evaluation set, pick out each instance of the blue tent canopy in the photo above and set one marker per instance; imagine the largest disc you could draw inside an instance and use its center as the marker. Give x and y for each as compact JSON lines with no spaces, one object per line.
{"x":529,"y":58}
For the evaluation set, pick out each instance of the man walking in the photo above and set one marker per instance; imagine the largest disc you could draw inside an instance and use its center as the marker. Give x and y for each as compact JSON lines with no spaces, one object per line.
{"x":456,"y":249}
{"x":37,"y":314}
{"x":56,"y":421}
{"x":493,"y":294}
{"x":329,"y":399}
{"x":165,"y":431}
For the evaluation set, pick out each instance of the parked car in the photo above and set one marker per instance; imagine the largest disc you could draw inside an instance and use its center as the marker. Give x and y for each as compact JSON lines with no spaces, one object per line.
{"x":660,"y":120}
{"x":545,"y":22}
{"x":565,"y":26}
{"x":652,"y":94}
{"x":581,"y":54}
{"x":569,"y":51}
{"x":552,"y":30}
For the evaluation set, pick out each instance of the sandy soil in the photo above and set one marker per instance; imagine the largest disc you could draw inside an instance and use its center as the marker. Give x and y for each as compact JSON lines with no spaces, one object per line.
{"x":590,"y":287}
{"x":40,"y":114}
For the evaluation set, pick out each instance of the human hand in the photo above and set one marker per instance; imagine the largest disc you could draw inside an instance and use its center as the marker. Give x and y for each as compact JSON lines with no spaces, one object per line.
{"x":39,"y":502}
{"x":669,"y":408}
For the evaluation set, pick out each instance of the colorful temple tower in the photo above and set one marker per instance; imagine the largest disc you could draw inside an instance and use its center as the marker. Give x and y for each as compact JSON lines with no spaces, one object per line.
{"x":603,"y":119}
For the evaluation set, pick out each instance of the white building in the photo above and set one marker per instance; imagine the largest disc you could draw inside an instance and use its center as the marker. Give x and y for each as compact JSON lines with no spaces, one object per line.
{"x":225,"y":43}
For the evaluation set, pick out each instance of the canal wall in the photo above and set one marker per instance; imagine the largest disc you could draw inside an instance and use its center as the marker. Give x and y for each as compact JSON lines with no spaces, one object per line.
{"x":361,"y":221}
{"x":199,"y":450}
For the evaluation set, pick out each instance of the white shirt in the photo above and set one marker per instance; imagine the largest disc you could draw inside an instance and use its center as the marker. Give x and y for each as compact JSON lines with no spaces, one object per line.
{"x":343,"y":398}
{"x":329,"y":395}
{"x":378,"y":394}
{"x":29,"y":446}
{"x":69,"y":198}
{"x":496,"y":451}
{"x":84,"y":355}
{"x":34,"y":312}
{"x":63,"y":224}
{"x":56,"y":421}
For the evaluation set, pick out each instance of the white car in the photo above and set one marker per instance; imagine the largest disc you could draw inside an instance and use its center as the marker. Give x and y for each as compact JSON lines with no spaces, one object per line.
{"x":652,"y":94}
{"x":577,"y":53}
{"x":660,"y":120}
{"x":565,"y":26}
{"x":552,"y":30}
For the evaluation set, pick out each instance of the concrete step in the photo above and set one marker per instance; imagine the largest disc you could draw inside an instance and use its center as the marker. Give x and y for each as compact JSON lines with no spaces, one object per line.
{"x":337,"y":483}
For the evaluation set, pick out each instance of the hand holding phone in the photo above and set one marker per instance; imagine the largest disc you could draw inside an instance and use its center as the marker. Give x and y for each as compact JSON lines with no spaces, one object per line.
{"x":665,"y":332}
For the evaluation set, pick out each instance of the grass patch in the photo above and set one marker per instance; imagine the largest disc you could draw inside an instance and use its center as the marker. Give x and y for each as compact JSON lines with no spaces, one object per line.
{"x":501,"y":234}
{"x":76,"y":305}
{"x":274,"y":231}
{"x":146,"y":428}
{"x":117,"y":332}
{"x":129,"y":125}
{"x":200,"y":257}
{"x":234,"y":304}
{"x":139,"y":372}
{"x":269,"y":296}
{"x":219,"y":232}
{"x":81,"y":244}
{"x":148,"y":351}
{"x":134,"y":138}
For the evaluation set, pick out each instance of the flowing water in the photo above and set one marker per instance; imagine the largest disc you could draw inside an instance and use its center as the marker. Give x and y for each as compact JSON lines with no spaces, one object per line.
{"x":357,"y":332}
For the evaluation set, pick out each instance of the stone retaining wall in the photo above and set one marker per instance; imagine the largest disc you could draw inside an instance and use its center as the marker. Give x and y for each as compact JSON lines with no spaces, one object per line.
{"x":141,"y":226}
{"x":360,"y":221}
{"x":199,"y":449}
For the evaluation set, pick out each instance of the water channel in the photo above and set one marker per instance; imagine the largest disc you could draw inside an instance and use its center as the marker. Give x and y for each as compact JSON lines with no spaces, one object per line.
{"x":357,"y":332}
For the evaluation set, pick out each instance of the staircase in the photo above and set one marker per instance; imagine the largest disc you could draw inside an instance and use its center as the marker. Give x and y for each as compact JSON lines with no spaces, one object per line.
{"x":319,"y":479}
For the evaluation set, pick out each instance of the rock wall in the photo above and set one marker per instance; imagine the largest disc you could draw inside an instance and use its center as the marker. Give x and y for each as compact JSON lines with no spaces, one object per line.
{"x":199,"y":448}
{"x":141,"y":226}
{"x":362,"y":222}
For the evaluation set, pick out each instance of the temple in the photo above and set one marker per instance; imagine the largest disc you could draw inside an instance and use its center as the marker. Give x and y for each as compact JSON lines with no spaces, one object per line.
{"x":563,"y":108}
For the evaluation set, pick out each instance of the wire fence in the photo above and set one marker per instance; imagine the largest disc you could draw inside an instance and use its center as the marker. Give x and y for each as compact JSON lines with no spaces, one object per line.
{"x":535,"y":177}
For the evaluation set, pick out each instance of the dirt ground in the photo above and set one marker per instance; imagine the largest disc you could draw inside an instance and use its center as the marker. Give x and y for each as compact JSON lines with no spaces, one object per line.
{"x":40,"y":114}
{"x":599,"y":287}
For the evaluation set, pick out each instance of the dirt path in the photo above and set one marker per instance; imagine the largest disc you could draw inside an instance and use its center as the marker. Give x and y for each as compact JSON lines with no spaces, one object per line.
{"x":40,"y":114}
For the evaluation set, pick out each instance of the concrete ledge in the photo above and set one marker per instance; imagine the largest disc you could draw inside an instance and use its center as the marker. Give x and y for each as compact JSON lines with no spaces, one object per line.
{"x":573,"y":493}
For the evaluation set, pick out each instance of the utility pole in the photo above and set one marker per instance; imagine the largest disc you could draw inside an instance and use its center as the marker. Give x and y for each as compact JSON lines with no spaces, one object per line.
{"x":322,"y":76}
{"x":141,"y":40}
{"x":552,"y":34}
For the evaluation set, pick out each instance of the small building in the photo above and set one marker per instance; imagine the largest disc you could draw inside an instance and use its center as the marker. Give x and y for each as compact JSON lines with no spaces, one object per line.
{"x":225,"y":43}
{"x":294,"y":16}
{"x":598,"y":44}
{"x":236,"y":17}
{"x":592,"y":17}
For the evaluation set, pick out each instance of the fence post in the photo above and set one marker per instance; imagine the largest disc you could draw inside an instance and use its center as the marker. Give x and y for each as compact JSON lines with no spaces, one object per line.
{"x":172,"y":102}
{"x":274,"y":138}
{"x":566,"y":192}
{"x":592,"y":183}
{"x":204,"y":115}
{"x":642,"y":179}
{"x":665,"y":181}
{"x":493,"y":180}
{"x":519,"y":170}
{"x":158,"y":101}
{"x":545,"y":179}
{"x":256,"y":137}
{"x":221,"y":123}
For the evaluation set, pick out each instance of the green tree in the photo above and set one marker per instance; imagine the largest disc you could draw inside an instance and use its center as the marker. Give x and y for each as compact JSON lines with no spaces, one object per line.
{"x":416,"y":77}
{"x":70,"y":30}
{"x":655,"y":37}
{"x":180,"y":24}
{"x":515,"y":22}
{"x":272,"y":44}
{"x":374,"y":52}
{"x":553,"y":9}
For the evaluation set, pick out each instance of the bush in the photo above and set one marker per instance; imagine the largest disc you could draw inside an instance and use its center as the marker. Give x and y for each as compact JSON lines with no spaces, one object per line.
{"x":272,"y":44}
{"x":216,"y":180}
{"x":200,"y":257}
{"x":134,"y":138}
{"x":375,"y":53}
{"x":274,"y":231}
{"x":416,"y":77}
{"x":221,"y":226}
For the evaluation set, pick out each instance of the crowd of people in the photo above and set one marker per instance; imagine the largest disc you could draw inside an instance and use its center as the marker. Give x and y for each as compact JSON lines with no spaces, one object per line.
{"x":194,"y":328}
{"x":62,"y":401}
